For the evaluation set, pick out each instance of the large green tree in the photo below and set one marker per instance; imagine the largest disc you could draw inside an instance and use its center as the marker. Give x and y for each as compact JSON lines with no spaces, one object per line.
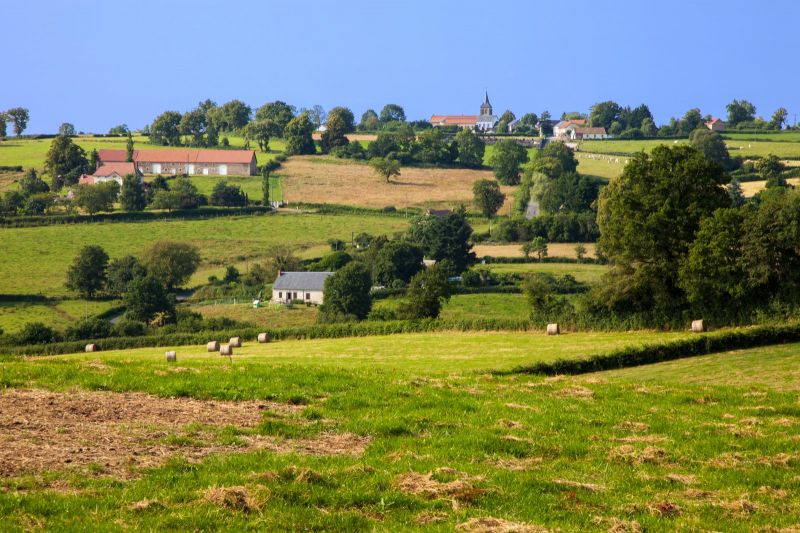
{"x":19,"y":116}
{"x":346,"y":294}
{"x":279,"y":114}
{"x":711,"y":144}
{"x":346,"y":116}
{"x":392,"y":113}
{"x":470,"y":148}
{"x":385,"y":167}
{"x":445,"y":237}
{"x":146,"y":298}
{"x":740,"y":111}
{"x":298,"y":133}
{"x":369,"y":121}
{"x":396,"y":260}
{"x":96,"y":198}
{"x":31,"y":183}
{"x":132,"y":196}
{"x":506,"y":160}
{"x":427,"y":291}
{"x":648,"y":217}
{"x":172,"y":263}
{"x":488,"y":197}
{"x":778,"y":118}
{"x":65,"y":162}
{"x":87,"y":274}
{"x":568,"y":192}
{"x":603,"y":114}
{"x":165,"y":129}
{"x":121,"y":272}
{"x":335,"y":134}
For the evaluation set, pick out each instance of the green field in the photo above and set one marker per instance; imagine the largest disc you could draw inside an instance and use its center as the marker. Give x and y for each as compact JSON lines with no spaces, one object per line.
{"x":475,"y":307}
{"x":57,"y":313}
{"x":395,"y":433}
{"x":42,"y":254}
{"x":785,"y":136}
{"x":736,"y":147}
{"x":32,"y":152}
{"x":584,"y":273}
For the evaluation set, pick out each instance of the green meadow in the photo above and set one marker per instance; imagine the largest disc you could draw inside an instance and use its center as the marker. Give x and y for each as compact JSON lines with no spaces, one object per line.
{"x":736,"y":146}
{"x":32,"y":152}
{"x":43,"y":254}
{"x":405,"y":432}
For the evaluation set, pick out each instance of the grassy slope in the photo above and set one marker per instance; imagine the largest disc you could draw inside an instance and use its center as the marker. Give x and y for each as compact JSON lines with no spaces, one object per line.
{"x":55,"y":313}
{"x":736,"y":147}
{"x":425,"y":405}
{"x":585,"y":273}
{"x":32,"y":152}
{"x":41,"y":255}
{"x":772,"y":366}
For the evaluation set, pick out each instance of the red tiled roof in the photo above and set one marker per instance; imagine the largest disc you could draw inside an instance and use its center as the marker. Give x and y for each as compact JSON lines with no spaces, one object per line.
{"x":179,"y":156}
{"x":577,"y":122}
{"x":122,"y":169}
{"x":455,"y":119}
{"x":584,"y":131}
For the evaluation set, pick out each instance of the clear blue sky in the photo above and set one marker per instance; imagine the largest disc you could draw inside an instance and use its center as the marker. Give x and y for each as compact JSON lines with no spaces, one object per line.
{"x":100,"y":63}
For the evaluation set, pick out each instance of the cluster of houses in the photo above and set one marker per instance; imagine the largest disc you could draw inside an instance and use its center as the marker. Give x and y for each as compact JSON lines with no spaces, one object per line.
{"x":486,"y":121}
{"x":113,"y":164}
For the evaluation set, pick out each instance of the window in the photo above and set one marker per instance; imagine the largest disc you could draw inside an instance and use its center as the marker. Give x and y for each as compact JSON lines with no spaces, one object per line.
{"x":308,"y":296}
{"x":280,"y":296}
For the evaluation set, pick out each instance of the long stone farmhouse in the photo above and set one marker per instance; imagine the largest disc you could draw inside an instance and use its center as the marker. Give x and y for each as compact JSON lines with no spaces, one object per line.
{"x":185,"y":161}
{"x":305,"y":286}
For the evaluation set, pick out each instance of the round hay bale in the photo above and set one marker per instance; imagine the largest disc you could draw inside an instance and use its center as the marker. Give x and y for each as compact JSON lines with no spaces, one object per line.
{"x":236,"y":342}
{"x":92,"y":348}
{"x":226,"y":349}
{"x":553,"y":329}
{"x":213,"y":346}
{"x":699,"y":326}
{"x":263,"y":337}
{"x":172,"y":356}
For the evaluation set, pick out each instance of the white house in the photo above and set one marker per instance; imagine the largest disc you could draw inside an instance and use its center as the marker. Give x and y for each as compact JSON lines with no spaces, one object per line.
{"x":115,"y":171}
{"x":563,"y":128}
{"x":716,"y":124}
{"x":588,"y":133}
{"x":305,"y":286}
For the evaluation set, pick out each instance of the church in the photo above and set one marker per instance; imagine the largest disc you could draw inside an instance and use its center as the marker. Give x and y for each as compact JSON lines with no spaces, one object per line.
{"x":484,"y":122}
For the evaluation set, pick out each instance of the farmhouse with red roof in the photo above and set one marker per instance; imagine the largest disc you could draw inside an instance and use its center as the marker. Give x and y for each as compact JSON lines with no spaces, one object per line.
{"x":112,"y":171}
{"x":186,"y":161}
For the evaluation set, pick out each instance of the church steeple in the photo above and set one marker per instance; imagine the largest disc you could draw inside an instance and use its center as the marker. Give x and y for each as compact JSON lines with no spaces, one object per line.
{"x":486,"y":107}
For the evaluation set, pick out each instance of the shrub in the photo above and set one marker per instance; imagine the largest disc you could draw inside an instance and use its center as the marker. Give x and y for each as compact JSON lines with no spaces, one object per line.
{"x":126,"y":327}
{"x":89,"y":328}
{"x":36,"y":333}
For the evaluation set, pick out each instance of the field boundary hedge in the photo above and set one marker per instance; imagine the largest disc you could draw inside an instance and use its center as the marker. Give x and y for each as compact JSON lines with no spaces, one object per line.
{"x":132,"y":216}
{"x":659,"y":352}
{"x":322,"y":331}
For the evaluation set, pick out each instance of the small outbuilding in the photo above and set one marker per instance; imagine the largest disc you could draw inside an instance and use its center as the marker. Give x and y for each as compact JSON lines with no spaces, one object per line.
{"x":305,"y":286}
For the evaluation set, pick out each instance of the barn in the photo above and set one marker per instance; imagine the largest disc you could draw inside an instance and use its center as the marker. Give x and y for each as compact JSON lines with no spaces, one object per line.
{"x":110,"y":172}
{"x":305,"y":286}
{"x":185,"y":161}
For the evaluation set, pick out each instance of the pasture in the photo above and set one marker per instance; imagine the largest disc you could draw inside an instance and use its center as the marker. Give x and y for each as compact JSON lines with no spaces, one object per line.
{"x":320,"y":179}
{"x":736,"y":147}
{"x":43,"y":254}
{"x":554,"y":249}
{"x":32,"y":152}
{"x":393,"y":433}
{"x":583,"y":272}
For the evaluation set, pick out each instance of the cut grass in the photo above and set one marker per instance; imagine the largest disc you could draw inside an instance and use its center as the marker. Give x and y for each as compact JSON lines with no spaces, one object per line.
{"x":554,"y":249}
{"x":320,"y":179}
{"x":445,"y":444}
{"x":42,"y":254}
{"x":751,"y":188}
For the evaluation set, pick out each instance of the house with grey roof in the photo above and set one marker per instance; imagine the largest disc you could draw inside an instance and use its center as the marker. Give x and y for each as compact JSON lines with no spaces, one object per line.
{"x":305,"y":286}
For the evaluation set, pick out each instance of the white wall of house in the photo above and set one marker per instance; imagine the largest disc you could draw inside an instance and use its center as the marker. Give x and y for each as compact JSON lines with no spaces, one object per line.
{"x":280,"y":296}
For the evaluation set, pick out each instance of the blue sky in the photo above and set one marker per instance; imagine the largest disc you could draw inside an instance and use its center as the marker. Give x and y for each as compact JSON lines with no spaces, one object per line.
{"x":100,"y":63}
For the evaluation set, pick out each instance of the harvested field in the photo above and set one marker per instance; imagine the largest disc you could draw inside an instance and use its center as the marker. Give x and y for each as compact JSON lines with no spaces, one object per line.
{"x":119,"y":433}
{"x":319,"y":179}
{"x":751,"y":188}
{"x":554,"y":249}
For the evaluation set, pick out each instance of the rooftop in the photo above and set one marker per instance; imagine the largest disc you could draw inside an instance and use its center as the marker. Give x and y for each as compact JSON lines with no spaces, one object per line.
{"x":301,"y":281}
{"x":179,"y":155}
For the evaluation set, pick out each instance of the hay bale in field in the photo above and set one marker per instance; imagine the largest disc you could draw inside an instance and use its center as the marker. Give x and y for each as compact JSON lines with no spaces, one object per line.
{"x":213,"y":346}
{"x":226,"y":349}
{"x":553,"y":329}
{"x":172,"y":356}
{"x":235,"y":342}
{"x":699,"y":326}
{"x":263,"y":337}
{"x":92,"y":348}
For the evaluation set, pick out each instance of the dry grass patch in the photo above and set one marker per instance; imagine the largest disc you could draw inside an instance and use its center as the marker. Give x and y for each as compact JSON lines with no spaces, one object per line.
{"x":617,"y":525}
{"x":684,"y":479}
{"x":590,"y":487}
{"x":430,"y":517}
{"x":490,"y":524}
{"x":311,"y":180}
{"x":514,"y":464}
{"x":236,"y":498}
{"x":664,"y":509}
{"x":575,"y":392}
{"x":327,"y":443}
{"x":460,"y":487}
{"x":631,"y":454}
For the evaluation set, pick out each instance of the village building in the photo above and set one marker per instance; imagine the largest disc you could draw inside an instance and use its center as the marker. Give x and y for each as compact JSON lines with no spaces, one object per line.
{"x":485,"y":121}
{"x":115,"y":171}
{"x":186,"y":161}
{"x":564,"y":127}
{"x":305,"y":286}
{"x":716,"y":124}
{"x":578,"y":134}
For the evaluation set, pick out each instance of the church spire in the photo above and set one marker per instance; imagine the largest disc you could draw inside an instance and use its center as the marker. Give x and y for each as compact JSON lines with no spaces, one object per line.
{"x":486,"y":107}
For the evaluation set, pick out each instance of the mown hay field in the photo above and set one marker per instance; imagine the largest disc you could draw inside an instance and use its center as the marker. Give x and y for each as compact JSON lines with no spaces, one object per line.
{"x":320,"y":179}
{"x":751,"y":188}
{"x":43,"y":254}
{"x":736,"y":147}
{"x":554,"y":249}
{"x":395,"y":433}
